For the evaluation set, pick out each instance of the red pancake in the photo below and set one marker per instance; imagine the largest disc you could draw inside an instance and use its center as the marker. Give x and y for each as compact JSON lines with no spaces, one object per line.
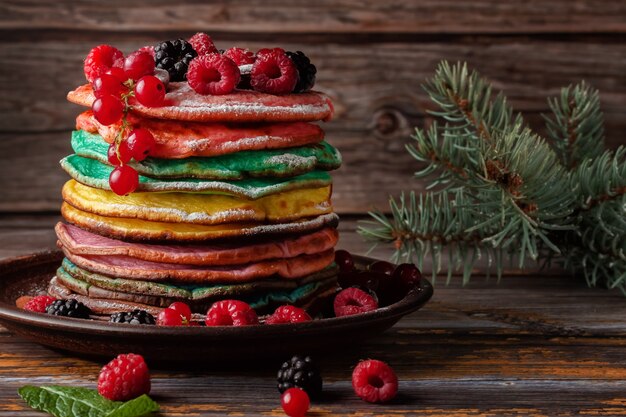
{"x":176,"y":140}
{"x":82,"y":242}
{"x":133,"y":268}
{"x":184,"y":104}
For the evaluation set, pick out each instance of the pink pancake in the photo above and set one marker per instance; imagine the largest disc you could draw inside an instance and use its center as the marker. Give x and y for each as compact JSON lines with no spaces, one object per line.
{"x":177,"y":140}
{"x":184,"y":104}
{"x":82,"y":242}
{"x":133,"y":268}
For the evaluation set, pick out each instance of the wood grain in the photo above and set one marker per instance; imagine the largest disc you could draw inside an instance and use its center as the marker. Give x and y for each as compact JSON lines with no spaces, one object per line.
{"x":325,"y":16}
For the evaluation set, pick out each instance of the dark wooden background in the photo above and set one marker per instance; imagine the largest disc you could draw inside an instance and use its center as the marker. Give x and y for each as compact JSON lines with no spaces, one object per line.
{"x":371,"y":55}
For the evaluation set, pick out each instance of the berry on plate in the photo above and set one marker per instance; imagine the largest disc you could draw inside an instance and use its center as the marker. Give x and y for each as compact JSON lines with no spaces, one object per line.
{"x":124,"y":378}
{"x":407,"y":277}
{"x":123,"y":180}
{"x":101,"y":59}
{"x":273,"y":72}
{"x":213,"y":74}
{"x":353,"y":301}
{"x":108,"y":109}
{"x":150,"y":91}
{"x":174,"y":57}
{"x":182,"y":309}
{"x":288,"y":314}
{"x":39,"y":303}
{"x":169,"y":317}
{"x":138,"y":64}
{"x":374,"y":381}
{"x":132,"y":317}
{"x":295,"y":402}
{"x":240,"y":56}
{"x":231,"y":313}
{"x":300,"y":372}
{"x":140,"y":143}
{"x":108,"y":84}
{"x":203,"y":44}
{"x":68,"y":308}
{"x":306,"y":71}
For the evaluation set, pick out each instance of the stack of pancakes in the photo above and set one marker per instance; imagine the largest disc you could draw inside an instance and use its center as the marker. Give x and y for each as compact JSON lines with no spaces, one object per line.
{"x":233,"y":203}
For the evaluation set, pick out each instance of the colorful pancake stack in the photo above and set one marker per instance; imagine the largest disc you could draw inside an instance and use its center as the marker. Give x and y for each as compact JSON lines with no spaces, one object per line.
{"x":233,"y":202}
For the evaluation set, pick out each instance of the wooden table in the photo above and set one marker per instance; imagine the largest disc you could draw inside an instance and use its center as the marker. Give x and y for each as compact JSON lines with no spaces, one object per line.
{"x":530,"y":345}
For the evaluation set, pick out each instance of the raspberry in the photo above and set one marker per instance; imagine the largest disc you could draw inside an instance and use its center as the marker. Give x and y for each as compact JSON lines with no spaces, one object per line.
{"x":213,"y":74}
{"x":149,"y":49}
{"x":274,"y":73}
{"x":300,"y":372}
{"x":344,"y":260}
{"x":353,"y":301}
{"x":230,"y":313}
{"x":374,"y":381}
{"x":306,"y":71}
{"x":68,"y":308}
{"x":101,"y":59}
{"x":39,"y":304}
{"x":288,"y":314}
{"x":240,"y":56}
{"x":295,"y":402}
{"x":203,"y":44}
{"x":124,"y":378}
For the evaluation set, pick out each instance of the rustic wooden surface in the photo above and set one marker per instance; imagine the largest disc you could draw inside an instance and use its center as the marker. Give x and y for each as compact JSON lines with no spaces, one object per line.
{"x":529,"y":346}
{"x":372,"y":57}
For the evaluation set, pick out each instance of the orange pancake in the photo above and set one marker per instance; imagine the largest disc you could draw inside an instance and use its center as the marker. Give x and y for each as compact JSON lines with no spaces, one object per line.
{"x":176,"y":140}
{"x":184,"y":104}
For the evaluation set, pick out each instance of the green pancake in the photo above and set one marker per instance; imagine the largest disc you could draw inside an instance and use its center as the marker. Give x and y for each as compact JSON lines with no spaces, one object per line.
{"x":286,"y":162}
{"x":77,"y":277}
{"x":96,"y":174}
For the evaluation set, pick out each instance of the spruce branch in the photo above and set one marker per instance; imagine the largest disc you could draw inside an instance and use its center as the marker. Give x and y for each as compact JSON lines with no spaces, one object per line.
{"x":499,"y":190}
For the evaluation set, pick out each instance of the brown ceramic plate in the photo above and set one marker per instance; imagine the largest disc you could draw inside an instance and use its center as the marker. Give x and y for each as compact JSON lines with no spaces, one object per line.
{"x":30,"y":273}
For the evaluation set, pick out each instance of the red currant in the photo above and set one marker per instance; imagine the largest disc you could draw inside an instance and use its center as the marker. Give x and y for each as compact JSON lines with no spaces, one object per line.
{"x":169,"y":317}
{"x":182,"y":309}
{"x":108,"y":84}
{"x":108,"y":109}
{"x":150,"y":91}
{"x":138,"y":64}
{"x":295,"y":402}
{"x":140,"y":143}
{"x":123,"y":180}
{"x":118,"y":73}
{"x":344,"y":260}
{"x":120,"y":157}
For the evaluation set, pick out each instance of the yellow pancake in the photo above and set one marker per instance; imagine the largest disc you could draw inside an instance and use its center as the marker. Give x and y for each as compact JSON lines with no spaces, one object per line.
{"x":199,"y":208}
{"x":142,"y":230}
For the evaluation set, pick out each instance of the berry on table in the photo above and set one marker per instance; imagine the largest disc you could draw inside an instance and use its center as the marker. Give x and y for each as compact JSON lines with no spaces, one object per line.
{"x":140,"y":143}
{"x":274,"y":73}
{"x":240,"y":56}
{"x":68,"y":308}
{"x":174,"y":57}
{"x":182,"y":309}
{"x":39,"y":303}
{"x":123,"y":180}
{"x":119,"y":155}
{"x":150,"y":91}
{"x":374,"y":381}
{"x":101,"y":59}
{"x":231,"y":313}
{"x":138,"y":64}
{"x":306,"y":71}
{"x":203,"y":44}
{"x":300,"y":372}
{"x":295,"y":402}
{"x":169,"y":317}
{"x":344,"y":260}
{"x":108,"y":84}
{"x":124,"y":378}
{"x":213,"y":74}
{"x":288,"y":314}
{"x":353,"y":301}
{"x":133,"y":317}
{"x":108,"y":109}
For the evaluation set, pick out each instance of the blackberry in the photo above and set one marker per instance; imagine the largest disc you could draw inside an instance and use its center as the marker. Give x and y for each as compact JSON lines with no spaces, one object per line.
{"x":306,"y":71}
{"x":133,"y":317}
{"x":174,"y":57}
{"x":300,"y":372}
{"x":68,"y":308}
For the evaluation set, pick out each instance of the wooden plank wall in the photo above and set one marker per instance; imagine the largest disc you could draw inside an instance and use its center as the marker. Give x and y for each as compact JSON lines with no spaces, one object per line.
{"x":371,"y":55}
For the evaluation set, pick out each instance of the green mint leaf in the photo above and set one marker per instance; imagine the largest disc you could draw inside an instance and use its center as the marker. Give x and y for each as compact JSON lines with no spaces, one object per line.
{"x":135,"y":408}
{"x":67,"y":401}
